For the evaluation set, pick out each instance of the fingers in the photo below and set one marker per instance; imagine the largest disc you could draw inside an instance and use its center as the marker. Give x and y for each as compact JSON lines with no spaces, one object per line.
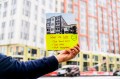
{"x":78,"y":48}
{"x":75,"y":50}
{"x":78,"y":45}
{"x":68,"y":51}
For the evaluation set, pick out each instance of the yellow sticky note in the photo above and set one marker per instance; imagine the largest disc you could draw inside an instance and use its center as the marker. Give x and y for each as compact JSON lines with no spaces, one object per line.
{"x":61,"y":41}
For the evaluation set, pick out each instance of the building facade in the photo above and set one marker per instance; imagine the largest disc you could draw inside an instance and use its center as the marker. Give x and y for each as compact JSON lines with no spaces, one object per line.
{"x":98,"y":30}
{"x":22,"y":23}
{"x":55,"y":24}
{"x":22,"y":29}
{"x":98,"y":23}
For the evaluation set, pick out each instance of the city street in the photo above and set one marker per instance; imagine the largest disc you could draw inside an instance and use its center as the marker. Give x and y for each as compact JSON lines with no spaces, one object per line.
{"x":83,"y":77}
{"x":64,"y":38}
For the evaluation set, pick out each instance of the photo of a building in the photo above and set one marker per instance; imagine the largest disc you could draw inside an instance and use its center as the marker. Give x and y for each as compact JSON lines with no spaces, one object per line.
{"x":58,"y":25}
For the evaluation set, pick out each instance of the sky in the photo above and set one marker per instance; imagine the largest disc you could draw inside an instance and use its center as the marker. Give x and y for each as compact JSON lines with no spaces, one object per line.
{"x":68,"y":17}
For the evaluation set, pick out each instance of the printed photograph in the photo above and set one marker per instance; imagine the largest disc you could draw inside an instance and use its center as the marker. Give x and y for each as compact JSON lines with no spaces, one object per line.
{"x":60,"y":23}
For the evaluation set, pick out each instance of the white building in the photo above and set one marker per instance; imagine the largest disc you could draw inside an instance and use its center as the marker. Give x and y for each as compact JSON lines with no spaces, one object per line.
{"x":23,"y":21}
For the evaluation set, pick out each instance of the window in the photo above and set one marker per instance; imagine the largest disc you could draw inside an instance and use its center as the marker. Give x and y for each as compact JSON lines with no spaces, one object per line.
{"x":34,"y":52}
{"x":34,"y":39}
{"x":43,"y":2}
{"x":3,"y":25}
{"x":85,"y":66}
{"x":57,"y":23}
{"x":0,"y":6}
{"x":85,"y":56}
{"x":4,"y":14}
{"x":111,"y":59}
{"x":42,"y":40}
{"x":83,"y":39}
{"x":13,"y":23}
{"x":52,"y":19}
{"x":96,"y":67}
{"x":42,"y":30}
{"x":26,"y":36}
{"x":27,"y":13}
{"x":76,"y":1}
{"x":14,"y":2}
{"x":2,"y":36}
{"x":36,"y":7}
{"x":26,"y":9}
{"x":34,"y":33}
{"x":52,"y":29}
{"x":10,"y":35}
{"x":42,"y":20}
{"x":28,"y":3}
{"x":50,"y":5}
{"x":36,"y":17}
{"x":117,"y":59}
{"x":72,"y":63}
{"x":95,"y":58}
{"x":25,"y":30}
{"x":29,"y":50}
{"x":13,"y":11}
{"x":43,"y":11}
{"x":70,"y":6}
{"x":111,"y":66}
{"x":5,"y":4}
{"x":83,"y":31}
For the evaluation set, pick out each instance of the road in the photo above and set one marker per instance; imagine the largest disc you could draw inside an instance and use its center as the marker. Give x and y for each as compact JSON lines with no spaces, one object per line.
{"x":83,"y":77}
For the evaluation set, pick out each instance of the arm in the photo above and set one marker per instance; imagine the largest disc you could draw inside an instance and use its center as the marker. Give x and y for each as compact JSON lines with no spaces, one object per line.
{"x":35,"y":68}
{"x":30,"y":69}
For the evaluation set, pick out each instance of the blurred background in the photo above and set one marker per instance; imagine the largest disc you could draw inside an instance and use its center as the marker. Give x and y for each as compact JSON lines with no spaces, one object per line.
{"x":23,"y":24}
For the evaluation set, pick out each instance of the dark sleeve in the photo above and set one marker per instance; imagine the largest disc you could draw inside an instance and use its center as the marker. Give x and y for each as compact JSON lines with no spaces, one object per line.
{"x":29,"y":69}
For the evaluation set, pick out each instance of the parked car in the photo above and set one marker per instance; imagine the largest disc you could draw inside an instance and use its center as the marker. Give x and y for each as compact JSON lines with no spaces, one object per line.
{"x":116,"y":73}
{"x":69,"y":71}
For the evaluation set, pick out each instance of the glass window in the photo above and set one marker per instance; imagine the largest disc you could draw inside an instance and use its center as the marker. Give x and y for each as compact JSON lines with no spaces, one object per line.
{"x":95,"y":58}
{"x":5,"y":4}
{"x":13,"y":23}
{"x":43,"y":11}
{"x":3,"y":25}
{"x":43,"y":2}
{"x":42,"y":40}
{"x":14,"y":2}
{"x":4,"y":14}
{"x":12,"y":34}
{"x":76,"y":11}
{"x":95,"y":66}
{"x":111,"y":59}
{"x":42,"y":30}
{"x":76,"y":1}
{"x":104,"y":67}
{"x":13,"y":11}
{"x":34,"y":52}
{"x":85,"y":66}
{"x":2,"y":36}
{"x":0,"y":6}
{"x":111,"y":66}
{"x":36,"y":7}
{"x":85,"y":56}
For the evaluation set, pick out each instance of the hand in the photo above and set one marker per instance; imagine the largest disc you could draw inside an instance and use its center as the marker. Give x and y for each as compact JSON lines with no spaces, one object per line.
{"x":66,"y":55}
